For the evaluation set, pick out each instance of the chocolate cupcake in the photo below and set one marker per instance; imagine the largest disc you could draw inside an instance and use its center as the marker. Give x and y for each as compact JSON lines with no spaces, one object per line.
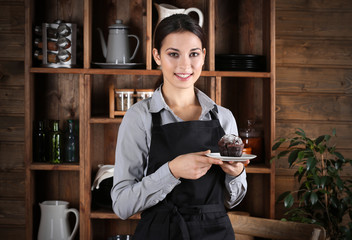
{"x":231,"y":145}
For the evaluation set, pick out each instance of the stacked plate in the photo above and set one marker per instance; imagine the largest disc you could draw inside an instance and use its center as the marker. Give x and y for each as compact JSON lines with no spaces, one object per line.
{"x":240,"y":62}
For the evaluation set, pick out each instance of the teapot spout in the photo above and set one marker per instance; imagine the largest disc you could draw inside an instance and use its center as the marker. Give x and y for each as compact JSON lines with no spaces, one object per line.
{"x":103,"y":44}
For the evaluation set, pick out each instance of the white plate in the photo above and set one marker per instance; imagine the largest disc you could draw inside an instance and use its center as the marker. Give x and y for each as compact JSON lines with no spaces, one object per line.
{"x":244,"y":157}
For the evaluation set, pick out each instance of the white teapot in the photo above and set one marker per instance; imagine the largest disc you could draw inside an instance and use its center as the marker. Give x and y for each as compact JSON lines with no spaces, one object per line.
{"x":166,"y":10}
{"x":117,"y":50}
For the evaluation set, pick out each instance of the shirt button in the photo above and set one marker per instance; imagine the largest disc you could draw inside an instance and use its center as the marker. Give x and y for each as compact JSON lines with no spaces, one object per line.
{"x":232,"y":183}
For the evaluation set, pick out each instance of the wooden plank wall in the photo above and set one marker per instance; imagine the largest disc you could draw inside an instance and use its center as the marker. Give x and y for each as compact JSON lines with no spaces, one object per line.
{"x":314,"y":76}
{"x":12,"y":176}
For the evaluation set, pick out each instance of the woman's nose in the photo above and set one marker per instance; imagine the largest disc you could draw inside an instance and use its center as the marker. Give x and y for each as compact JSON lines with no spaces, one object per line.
{"x":184,"y":61}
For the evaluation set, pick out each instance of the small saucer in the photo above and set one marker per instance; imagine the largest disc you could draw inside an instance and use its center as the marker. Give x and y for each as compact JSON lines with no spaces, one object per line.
{"x":120,"y":65}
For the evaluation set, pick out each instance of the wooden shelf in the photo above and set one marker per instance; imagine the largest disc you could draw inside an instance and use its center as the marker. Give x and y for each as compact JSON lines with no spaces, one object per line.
{"x":55,"y":167}
{"x":106,"y":214}
{"x":105,"y":120}
{"x":95,"y":71}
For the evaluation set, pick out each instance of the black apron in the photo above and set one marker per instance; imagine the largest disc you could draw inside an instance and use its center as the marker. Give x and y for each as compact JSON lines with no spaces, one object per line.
{"x":194,"y":209}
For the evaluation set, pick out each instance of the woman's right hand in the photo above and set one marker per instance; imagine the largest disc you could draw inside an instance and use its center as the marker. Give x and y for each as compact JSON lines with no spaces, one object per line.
{"x":192,"y":165}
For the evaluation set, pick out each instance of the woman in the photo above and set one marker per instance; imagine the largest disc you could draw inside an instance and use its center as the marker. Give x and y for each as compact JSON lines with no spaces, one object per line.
{"x":161,"y":166}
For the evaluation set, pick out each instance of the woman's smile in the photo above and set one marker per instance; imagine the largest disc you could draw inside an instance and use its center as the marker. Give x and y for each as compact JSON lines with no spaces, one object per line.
{"x":183,"y":76}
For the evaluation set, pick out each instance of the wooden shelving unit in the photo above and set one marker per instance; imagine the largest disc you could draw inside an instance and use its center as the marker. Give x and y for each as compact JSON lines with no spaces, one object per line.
{"x":62,"y":93}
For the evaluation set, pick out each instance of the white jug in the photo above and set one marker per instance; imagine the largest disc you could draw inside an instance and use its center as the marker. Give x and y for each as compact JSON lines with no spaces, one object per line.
{"x":54,"y":222}
{"x":166,"y":10}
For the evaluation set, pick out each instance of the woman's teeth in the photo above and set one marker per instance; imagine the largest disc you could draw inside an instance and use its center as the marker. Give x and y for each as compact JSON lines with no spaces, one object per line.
{"x":183,"y":75}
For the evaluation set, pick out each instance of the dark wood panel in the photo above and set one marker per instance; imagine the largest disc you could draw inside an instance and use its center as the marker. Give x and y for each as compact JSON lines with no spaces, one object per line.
{"x":12,"y":184}
{"x":12,"y":18}
{"x":12,"y":101}
{"x":313,"y":80}
{"x":12,"y":47}
{"x":12,"y":212}
{"x":12,"y":232}
{"x":11,"y":156}
{"x":57,"y":97}
{"x":11,"y":73}
{"x":313,"y":52}
{"x":311,"y":23}
{"x":321,"y":5}
{"x":11,"y":129}
{"x":315,"y":129}
{"x":325,"y":107}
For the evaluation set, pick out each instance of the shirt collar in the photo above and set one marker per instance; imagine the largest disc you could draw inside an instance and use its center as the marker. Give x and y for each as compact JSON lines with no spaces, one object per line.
{"x":158,"y":103}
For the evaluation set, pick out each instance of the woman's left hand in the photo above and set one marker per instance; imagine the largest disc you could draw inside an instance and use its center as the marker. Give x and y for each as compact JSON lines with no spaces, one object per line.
{"x":234,"y":168}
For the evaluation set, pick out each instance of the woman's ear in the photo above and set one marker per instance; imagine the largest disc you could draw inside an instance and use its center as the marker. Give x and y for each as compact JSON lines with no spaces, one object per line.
{"x":156,"y":56}
{"x":204,"y":54}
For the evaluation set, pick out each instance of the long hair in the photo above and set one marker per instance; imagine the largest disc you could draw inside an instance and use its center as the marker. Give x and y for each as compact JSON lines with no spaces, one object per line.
{"x":176,"y":23}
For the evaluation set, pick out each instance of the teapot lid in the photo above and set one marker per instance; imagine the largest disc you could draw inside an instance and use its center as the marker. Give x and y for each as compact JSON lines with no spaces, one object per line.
{"x":118,"y":24}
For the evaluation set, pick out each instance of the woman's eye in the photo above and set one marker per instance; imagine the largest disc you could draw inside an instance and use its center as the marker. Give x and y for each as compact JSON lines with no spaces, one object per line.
{"x":194,"y":54}
{"x":173,"y":54}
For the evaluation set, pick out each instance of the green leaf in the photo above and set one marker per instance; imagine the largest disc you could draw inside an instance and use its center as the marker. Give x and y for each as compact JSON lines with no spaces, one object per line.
{"x":277,"y":145}
{"x":334,"y":201}
{"x":301,"y":132}
{"x":283,"y":153}
{"x":319,"y":139}
{"x":339,"y":183}
{"x":334,"y":132}
{"x":283,"y":195}
{"x":288,"y":201}
{"x":313,"y":198}
{"x":339,"y":155}
{"x":293,"y":156}
{"x":311,"y":163}
{"x":323,"y":181}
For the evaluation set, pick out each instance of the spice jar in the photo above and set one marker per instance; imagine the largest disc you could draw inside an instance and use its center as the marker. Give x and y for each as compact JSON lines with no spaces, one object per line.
{"x":124,"y":99}
{"x":253,"y":138}
{"x":144,"y":93}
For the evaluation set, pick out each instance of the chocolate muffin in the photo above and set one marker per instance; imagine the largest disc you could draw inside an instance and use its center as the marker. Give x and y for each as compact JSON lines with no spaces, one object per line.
{"x":230,"y":145}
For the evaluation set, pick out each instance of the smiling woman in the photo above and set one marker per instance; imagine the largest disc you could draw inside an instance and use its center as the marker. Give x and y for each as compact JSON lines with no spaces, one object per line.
{"x":168,"y":175}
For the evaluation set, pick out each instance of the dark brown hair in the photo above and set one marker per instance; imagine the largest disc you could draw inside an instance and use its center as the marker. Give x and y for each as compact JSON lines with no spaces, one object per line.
{"x":176,"y":23}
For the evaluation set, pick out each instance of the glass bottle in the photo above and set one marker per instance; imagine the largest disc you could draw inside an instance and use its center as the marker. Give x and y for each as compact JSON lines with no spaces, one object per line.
{"x":71,"y":142}
{"x":39,"y":142}
{"x":55,"y":143}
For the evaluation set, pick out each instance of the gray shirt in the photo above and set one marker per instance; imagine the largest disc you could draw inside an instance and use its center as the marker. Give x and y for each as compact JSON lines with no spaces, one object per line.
{"x":132,"y":190}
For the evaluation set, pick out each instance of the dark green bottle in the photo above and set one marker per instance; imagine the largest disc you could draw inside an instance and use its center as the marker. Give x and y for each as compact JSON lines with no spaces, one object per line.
{"x":71,"y":142}
{"x":39,"y":142}
{"x":55,"y":143}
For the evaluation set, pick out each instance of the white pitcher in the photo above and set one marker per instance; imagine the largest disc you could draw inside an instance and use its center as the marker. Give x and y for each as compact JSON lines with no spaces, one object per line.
{"x":166,"y":10}
{"x":54,"y":222}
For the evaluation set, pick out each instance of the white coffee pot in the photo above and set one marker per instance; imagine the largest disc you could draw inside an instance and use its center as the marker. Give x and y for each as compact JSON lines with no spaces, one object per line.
{"x":117,"y":50}
{"x":54,"y":221}
{"x":166,"y":10}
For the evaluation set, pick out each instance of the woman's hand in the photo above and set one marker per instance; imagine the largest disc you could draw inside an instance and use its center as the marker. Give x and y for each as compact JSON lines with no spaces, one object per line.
{"x":192,"y":165}
{"x":233,"y":168}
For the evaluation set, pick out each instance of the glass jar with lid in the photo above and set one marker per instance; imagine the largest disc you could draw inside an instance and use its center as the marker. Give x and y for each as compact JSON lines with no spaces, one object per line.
{"x":253,"y":139}
{"x":143,"y":94}
{"x":124,"y":99}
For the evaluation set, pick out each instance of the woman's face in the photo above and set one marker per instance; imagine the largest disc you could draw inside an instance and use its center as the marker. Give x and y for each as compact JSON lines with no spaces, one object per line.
{"x":181,"y":59}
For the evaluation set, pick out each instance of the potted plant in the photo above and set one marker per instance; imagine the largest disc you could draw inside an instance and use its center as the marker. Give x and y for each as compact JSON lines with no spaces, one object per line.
{"x":323,"y":197}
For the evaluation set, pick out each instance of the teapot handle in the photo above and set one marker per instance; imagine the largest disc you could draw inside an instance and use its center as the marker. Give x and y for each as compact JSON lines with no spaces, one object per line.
{"x":76,"y":213}
{"x":135,"y":50}
{"x":199,"y":12}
